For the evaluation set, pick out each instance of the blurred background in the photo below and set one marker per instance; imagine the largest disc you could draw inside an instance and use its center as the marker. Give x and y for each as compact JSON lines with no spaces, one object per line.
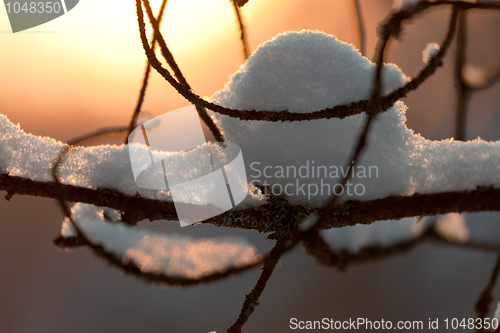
{"x":83,"y":71}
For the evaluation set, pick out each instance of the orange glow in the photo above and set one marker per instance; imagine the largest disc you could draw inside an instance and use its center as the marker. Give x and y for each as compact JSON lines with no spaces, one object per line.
{"x":84,"y":69}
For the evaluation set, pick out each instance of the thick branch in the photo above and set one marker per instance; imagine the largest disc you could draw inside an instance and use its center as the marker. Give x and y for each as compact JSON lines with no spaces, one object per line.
{"x":264,"y":217}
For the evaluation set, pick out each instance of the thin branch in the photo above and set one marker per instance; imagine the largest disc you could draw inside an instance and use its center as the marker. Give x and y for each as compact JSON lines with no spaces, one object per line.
{"x":145,"y":80}
{"x":392,"y":27}
{"x":243,"y":36}
{"x":492,"y":79}
{"x":463,"y":89}
{"x":339,"y":111}
{"x":341,"y":259}
{"x":484,"y":302}
{"x":181,"y":83}
{"x":140,"y":101}
{"x":96,"y":133}
{"x":359,"y":26}
{"x":241,"y":3}
{"x":252,"y":299}
{"x":163,"y":46}
{"x":129,"y":267}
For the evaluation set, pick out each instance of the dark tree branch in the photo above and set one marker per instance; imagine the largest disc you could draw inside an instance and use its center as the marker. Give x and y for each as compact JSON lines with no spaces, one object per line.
{"x":241,"y":3}
{"x":135,"y":208}
{"x":326,"y":256}
{"x":96,"y":133}
{"x":483,"y":304}
{"x":252,"y":299}
{"x":463,"y":89}
{"x":492,"y":79}
{"x":145,"y":80}
{"x":181,"y":83}
{"x":387,"y":31}
{"x":359,"y":26}
{"x":340,"y":111}
{"x":243,"y":36}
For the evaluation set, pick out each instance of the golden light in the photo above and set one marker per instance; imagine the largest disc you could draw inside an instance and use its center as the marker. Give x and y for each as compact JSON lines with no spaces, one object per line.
{"x":86,"y":66}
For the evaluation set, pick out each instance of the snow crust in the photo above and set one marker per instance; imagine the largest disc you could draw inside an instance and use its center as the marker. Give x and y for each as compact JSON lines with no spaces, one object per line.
{"x":172,"y":254}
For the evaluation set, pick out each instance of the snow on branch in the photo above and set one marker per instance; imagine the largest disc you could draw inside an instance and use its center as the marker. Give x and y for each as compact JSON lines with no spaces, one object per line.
{"x":302,"y":162}
{"x":168,"y":258}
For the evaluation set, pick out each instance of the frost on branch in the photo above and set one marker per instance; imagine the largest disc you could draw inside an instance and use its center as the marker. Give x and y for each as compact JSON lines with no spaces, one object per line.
{"x":431,"y":50}
{"x":172,"y":255}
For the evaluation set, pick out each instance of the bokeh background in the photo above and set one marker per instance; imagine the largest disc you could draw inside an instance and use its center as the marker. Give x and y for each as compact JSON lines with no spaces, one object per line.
{"x":83,"y":71}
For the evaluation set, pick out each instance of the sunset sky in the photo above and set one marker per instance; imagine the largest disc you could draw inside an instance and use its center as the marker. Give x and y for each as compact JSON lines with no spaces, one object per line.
{"x":86,"y":66}
{"x":83,"y":71}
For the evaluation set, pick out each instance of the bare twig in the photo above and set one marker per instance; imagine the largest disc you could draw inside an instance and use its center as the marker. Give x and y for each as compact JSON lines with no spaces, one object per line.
{"x":463,"y":89}
{"x":492,"y":79}
{"x":484,"y":302}
{"x":359,"y":26}
{"x":96,"y":133}
{"x":243,"y":36}
{"x":181,"y":83}
{"x":341,"y":259}
{"x":339,"y":111}
{"x":145,"y":80}
{"x":252,"y":299}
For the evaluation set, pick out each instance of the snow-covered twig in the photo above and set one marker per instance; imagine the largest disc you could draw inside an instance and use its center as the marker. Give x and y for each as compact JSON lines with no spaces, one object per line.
{"x":135,"y":208}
